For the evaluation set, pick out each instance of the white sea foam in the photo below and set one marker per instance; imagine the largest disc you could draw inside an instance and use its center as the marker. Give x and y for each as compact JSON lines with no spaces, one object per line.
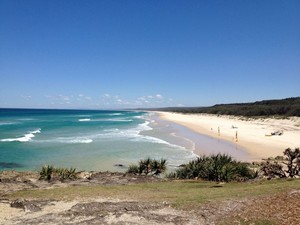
{"x":27,"y":137}
{"x":83,"y":115}
{"x":84,"y":120}
{"x":72,"y":140}
{"x":25,"y":119}
{"x":115,"y":114}
{"x":7,"y":123}
{"x":134,"y":134}
{"x":78,"y":141}
{"x":106,"y":120}
{"x":119,"y":120}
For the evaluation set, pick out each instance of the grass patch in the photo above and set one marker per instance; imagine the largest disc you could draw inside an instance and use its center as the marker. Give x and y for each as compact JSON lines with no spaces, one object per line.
{"x":182,"y":194}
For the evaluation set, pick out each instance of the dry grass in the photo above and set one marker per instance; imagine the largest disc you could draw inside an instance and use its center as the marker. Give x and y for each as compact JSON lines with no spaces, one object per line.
{"x":260,"y":202}
{"x":182,"y":194}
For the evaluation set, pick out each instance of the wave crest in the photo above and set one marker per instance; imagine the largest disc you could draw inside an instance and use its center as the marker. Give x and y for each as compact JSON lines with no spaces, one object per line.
{"x":75,"y":140}
{"x":27,"y":137}
{"x":84,"y":120}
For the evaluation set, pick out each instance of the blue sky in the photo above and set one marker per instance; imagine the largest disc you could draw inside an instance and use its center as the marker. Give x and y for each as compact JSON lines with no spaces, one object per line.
{"x":121,"y":54}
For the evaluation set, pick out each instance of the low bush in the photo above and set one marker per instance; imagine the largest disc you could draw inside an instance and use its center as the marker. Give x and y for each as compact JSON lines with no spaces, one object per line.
{"x":46,"y":172}
{"x":49,"y":172}
{"x":288,"y":167}
{"x":219,"y":168}
{"x":148,"y":166}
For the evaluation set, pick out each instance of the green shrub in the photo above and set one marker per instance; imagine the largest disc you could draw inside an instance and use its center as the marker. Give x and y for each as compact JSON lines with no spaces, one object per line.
{"x":148,"y":166}
{"x":291,"y":160}
{"x":46,"y":172}
{"x":133,"y":169}
{"x":219,"y":168}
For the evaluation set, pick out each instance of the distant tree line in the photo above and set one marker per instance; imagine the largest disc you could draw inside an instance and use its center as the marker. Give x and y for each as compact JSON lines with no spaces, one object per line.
{"x":282,"y":107}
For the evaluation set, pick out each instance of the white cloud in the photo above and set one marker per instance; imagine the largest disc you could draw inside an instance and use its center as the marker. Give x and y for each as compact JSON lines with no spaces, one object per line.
{"x":63,"y":97}
{"x":156,"y":100}
{"x":26,"y":97}
{"x":142,"y":98}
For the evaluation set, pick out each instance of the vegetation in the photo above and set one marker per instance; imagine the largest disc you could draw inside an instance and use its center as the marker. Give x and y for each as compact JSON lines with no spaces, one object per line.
{"x":289,"y":167}
{"x":182,"y":194}
{"x":219,"y":168}
{"x":46,"y":172}
{"x":148,"y":166}
{"x":65,"y":173}
{"x":49,"y":172}
{"x":283,"y":107}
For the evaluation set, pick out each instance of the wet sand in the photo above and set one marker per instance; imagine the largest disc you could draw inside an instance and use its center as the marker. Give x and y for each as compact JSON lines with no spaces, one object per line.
{"x":253,"y":137}
{"x":195,"y":142}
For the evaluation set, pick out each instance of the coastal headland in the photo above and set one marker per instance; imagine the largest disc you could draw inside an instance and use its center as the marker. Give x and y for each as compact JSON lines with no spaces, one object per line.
{"x":261,"y":137}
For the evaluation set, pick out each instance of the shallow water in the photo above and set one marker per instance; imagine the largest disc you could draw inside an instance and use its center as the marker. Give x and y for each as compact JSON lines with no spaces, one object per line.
{"x":198,"y":143}
{"x":87,"y":140}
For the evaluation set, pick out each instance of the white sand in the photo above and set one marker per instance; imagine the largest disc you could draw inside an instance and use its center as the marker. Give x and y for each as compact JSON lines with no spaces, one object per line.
{"x":251,"y":133}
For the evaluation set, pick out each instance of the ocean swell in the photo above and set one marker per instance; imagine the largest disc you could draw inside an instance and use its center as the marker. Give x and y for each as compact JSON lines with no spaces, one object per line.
{"x":27,"y":137}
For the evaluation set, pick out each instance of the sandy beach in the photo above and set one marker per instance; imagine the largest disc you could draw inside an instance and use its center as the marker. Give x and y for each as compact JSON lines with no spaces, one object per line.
{"x":254,"y":135}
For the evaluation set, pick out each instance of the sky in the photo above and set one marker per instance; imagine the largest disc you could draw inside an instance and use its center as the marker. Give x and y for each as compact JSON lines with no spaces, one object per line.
{"x":111,"y":54}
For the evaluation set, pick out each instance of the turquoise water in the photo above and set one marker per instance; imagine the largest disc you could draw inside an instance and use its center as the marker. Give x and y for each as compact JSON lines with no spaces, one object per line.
{"x":85,"y":139}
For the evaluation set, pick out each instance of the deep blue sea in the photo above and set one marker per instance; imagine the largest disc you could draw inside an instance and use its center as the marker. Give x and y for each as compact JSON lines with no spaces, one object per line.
{"x":85,"y":139}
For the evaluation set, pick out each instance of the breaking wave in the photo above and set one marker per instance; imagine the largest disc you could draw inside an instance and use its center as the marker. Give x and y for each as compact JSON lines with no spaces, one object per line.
{"x":27,"y":137}
{"x":84,"y":120}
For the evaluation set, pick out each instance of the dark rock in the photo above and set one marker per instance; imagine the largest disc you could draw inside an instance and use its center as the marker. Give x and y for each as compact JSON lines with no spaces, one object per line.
{"x":119,"y":165}
{"x":30,"y":207}
{"x":18,"y":203}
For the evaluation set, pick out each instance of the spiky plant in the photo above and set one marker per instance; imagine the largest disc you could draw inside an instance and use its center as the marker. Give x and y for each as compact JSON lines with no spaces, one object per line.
{"x":65,"y":173}
{"x":141,"y":166}
{"x":162,"y":166}
{"x":217,"y":168}
{"x":293,"y":161}
{"x":133,"y":169}
{"x":71,"y":173}
{"x":46,"y":172}
{"x":147,"y":165}
{"x":276,"y":169}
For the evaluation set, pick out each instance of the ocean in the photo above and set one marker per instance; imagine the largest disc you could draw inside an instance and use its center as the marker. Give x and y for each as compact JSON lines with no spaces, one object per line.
{"x":86,"y":139}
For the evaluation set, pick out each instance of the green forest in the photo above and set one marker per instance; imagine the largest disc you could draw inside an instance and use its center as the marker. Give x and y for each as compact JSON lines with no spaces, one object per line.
{"x":282,"y":107}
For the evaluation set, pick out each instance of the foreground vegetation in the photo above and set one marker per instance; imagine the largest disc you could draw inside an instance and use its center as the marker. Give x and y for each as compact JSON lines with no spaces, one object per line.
{"x":148,"y":166}
{"x":228,"y":202}
{"x":283,"y":166}
{"x":182,"y":194}
{"x":283,"y":107}
{"x":51,"y":173}
{"x":219,"y":168}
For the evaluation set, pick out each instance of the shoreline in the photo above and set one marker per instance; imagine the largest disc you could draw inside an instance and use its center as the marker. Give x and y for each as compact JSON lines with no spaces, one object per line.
{"x":251,"y":135}
{"x":193,"y":142}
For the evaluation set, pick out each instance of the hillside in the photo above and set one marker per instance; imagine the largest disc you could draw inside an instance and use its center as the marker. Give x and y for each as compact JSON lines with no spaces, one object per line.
{"x":281,"y":107}
{"x":115,"y":198}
